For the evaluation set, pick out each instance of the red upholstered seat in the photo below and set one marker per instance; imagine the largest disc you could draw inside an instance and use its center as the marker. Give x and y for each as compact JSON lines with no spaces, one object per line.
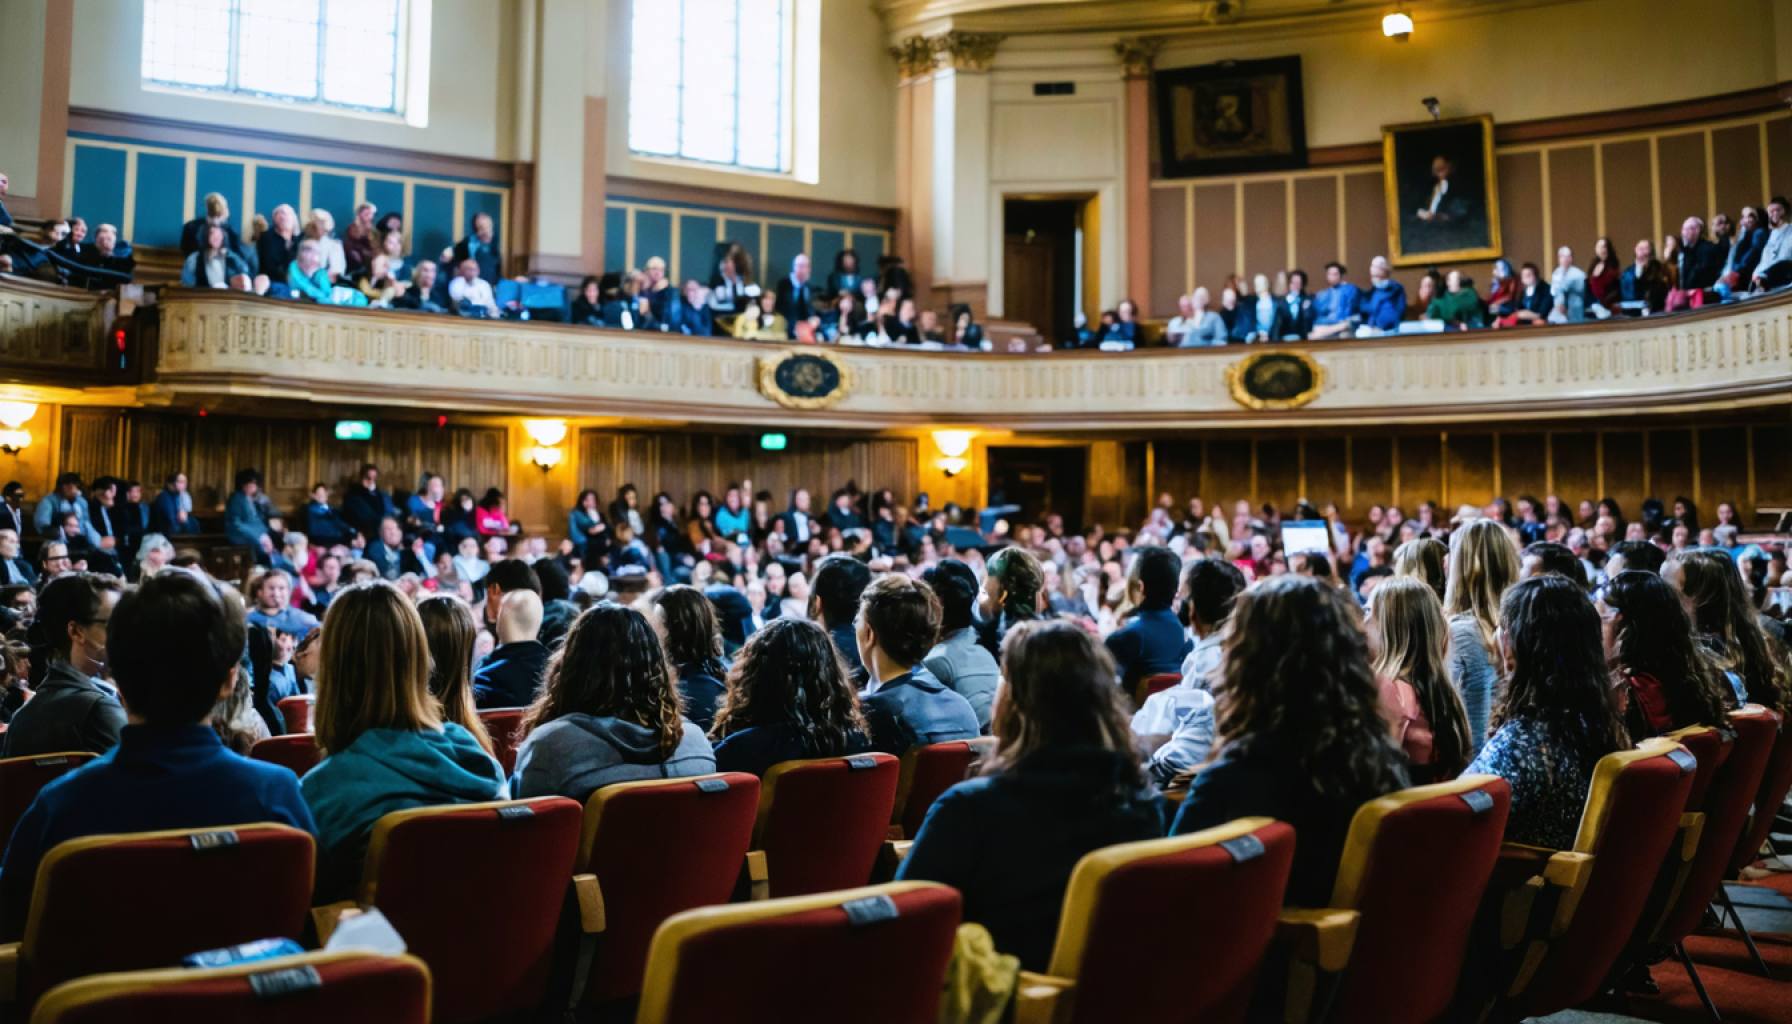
{"x":340,"y":988}
{"x":1776,"y":781}
{"x":822,"y":822}
{"x":1633,"y":809}
{"x":874,"y":955}
{"x":296,"y":711}
{"x":658,"y":848}
{"x":504,"y":724}
{"x":476,"y":891}
{"x":131,"y":902}
{"x":1125,"y":901}
{"x":1414,"y":869}
{"x":297,"y":751}
{"x":929,"y":771}
{"x":22,"y":777}
{"x":1153,"y":684}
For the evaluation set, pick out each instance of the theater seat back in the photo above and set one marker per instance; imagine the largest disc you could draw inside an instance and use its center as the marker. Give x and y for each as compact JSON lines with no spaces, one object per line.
{"x":1144,"y":688}
{"x":929,"y":771}
{"x":476,"y":891}
{"x":297,"y":712}
{"x":658,"y":848}
{"x":873,"y":955}
{"x":1776,"y":781}
{"x":1125,"y":901}
{"x":1711,"y":747}
{"x":21,"y":778}
{"x":340,"y":988}
{"x":130,"y":902}
{"x":1633,"y":809}
{"x":295,"y":751}
{"x":1415,"y":866}
{"x":822,"y":822}
{"x":505,"y":725}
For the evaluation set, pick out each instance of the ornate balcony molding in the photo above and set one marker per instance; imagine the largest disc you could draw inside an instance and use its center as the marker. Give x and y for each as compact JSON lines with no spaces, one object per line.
{"x":50,"y":332}
{"x":214,"y":343}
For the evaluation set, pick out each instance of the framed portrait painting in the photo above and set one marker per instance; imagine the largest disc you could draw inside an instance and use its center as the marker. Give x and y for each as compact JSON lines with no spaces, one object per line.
{"x":1231,"y":118}
{"x":1442,"y":196}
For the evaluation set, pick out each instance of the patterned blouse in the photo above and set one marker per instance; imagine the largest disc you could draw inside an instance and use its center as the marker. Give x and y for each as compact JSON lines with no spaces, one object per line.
{"x":1549,"y":783}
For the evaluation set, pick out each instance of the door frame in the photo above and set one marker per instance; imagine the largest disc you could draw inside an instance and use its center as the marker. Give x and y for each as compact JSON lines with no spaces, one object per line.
{"x":1039,"y":442}
{"x":1101,"y":241}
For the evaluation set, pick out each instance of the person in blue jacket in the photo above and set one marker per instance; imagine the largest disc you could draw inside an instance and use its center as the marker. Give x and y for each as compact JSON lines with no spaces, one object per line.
{"x":1064,"y":781}
{"x":175,"y":643}
{"x":1384,"y":303}
{"x":386,"y":745}
{"x":171,"y":513}
{"x":898,"y":622}
{"x":244,"y":523}
{"x":693,"y":636}
{"x":1153,"y":641}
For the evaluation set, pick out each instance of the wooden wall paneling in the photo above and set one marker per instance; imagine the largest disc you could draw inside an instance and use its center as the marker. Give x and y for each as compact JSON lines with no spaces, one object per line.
{"x":286,"y":476}
{"x":1681,"y":159}
{"x":1105,"y":496}
{"x":598,"y":455}
{"x":249,"y":449}
{"x":1629,"y":203}
{"x":1216,"y":236}
{"x":1572,"y":455}
{"x":1365,"y":225}
{"x":893,"y":465}
{"x":1323,"y":458}
{"x":1573,"y":218}
{"x":1177,"y":467}
{"x":338,"y":463}
{"x":1521,"y":208}
{"x":398,"y":451}
{"x":1421,"y":470}
{"x":1169,"y":250}
{"x":1372,"y":471}
{"x":1723,"y":471}
{"x":1736,"y":167}
{"x":1316,"y":240}
{"x":156,"y":446}
{"x":1523,"y":469}
{"x":1265,"y":228}
{"x":1623,"y":452}
{"x":641,"y":464}
{"x":209,"y":470}
{"x":1278,"y":472}
{"x":1468,"y":471}
{"x":1779,"y":156}
{"x":92,"y":442}
{"x":1228,"y":472}
{"x":1671,"y":468}
{"x":480,"y":459}
{"x":1773,"y":470}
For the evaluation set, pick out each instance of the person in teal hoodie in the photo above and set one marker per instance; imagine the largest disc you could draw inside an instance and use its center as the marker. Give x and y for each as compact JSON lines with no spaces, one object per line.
{"x":610,"y":712}
{"x":387,"y":747}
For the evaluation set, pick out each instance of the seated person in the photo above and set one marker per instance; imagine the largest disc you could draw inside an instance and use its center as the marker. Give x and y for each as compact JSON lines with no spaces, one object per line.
{"x":1301,"y":737}
{"x":788,"y":699}
{"x":693,"y":635}
{"x":480,"y":246}
{"x":1645,"y":282}
{"x":217,"y":265}
{"x":176,"y":640}
{"x":899,"y":619}
{"x":1502,"y":291}
{"x":1556,"y":718}
{"x":1153,"y":641}
{"x":1124,"y":331}
{"x":1177,"y":723}
{"x":966,"y":331}
{"x":511,"y":675}
{"x":1424,"y":712}
{"x":1458,"y":306}
{"x":307,"y":277}
{"x":470,"y":293}
{"x":627,"y":308}
{"x":899,"y":327}
{"x":111,"y":254}
{"x":1335,"y":308}
{"x":588,"y":304}
{"x":1533,"y":303}
{"x":271,"y":596}
{"x":1260,"y":317}
{"x":958,"y":660}
{"x":609,"y":713}
{"x":762,"y":322}
{"x":386,"y":745}
{"x":421,"y":295}
{"x":1384,"y":304}
{"x":689,"y":313}
{"x":1064,"y":782}
{"x":71,"y":708}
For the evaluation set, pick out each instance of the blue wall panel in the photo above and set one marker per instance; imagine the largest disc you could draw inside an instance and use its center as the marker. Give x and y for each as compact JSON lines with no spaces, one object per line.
{"x":161,"y":186}
{"x":432,"y":220}
{"x":99,"y":187}
{"x":335,"y":193}
{"x":615,"y":239}
{"x":224,"y":178}
{"x":696,"y":245}
{"x":653,"y":236}
{"x":276,"y":185}
{"x":870,"y":247}
{"x":386,"y":195}
{"x":825,"y":244}
{"x":782,"y":243}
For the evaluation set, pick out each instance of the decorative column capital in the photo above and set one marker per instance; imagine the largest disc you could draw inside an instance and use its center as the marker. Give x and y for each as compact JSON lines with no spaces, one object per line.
{"x":967,"y":51}
{"x":914,"y":57}
{"x":1137,"y":54}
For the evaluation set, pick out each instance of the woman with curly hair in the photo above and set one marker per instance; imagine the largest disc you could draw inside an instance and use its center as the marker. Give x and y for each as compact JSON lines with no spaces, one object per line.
{"x":1728,"y":626}
{"x":609,"y":712}
{"x":1424,"y":712}
{"x":1483,"y":564}
{"x":1064,"y":780}
{"x":1300,"y":732}
{"x":1664,"y":680}
{"x":788,"y":698}
{"x":1556,"y":719}
{"x":694,"y":643}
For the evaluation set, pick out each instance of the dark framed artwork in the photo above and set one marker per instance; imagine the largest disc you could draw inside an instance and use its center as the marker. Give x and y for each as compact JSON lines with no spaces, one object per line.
{"x":1443,"y":198}
{"x":1231,"y":118}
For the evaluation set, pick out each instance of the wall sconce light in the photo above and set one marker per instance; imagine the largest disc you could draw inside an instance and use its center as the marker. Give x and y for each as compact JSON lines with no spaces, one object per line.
{"x":547,"y":435}
{"x":14,"y":415}
{"x":953,"y":444}
{"x":1397,"y":26}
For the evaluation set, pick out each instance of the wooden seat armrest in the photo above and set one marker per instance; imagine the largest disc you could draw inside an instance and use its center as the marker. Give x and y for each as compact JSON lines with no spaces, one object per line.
{"x":759,"y":879}
{"x":1322,"y":937}
{"x":1691,"y":830}
{"x":9,"y":972}
{"x":1567,"y":873}
{"x":591,"y":903}
{"x":1042,"y":998}
{"x":328,"y":916}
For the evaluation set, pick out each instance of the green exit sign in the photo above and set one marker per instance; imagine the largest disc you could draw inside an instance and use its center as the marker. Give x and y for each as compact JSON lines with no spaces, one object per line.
{"x":773,"y":442}
{"x":354,"y":430}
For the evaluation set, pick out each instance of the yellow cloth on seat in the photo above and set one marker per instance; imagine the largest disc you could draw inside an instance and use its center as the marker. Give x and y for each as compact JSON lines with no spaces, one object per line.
{"x":980,"y":980}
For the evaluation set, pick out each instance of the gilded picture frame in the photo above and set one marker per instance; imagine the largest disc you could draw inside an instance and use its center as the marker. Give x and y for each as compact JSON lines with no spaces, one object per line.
{"x":1274,"y":379}
{"x":798,"y":378}
{"x":1442,"y":191}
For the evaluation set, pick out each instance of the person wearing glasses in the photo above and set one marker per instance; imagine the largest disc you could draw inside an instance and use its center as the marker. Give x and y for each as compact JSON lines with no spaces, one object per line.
{"x":72,"y":709}
{"x":53,"y":560}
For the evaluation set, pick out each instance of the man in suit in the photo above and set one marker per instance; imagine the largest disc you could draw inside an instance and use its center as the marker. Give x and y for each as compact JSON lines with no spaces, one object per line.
{"x":1744,"y":254}
{"x":15,"y":569}
{"x":796,"y":296}
{"x":171,"y":513}
{"x":797,"y":523}
{"x":365,"y":504}
{"x":1297,"y":306}
{"x":12,"y":511}
{"x":1699,"y":259}
{"x":1260,"y":317}
{"x":481,"y":246}
{"x":1644,"y":280}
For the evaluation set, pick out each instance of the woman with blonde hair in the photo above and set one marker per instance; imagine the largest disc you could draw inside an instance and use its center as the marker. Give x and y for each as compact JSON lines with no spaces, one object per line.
{"x":1423,"y":559}
{"x":1411,"y":645}
{"x":450,"y":631}
{"x":1483,"y":566}
{"x":385,"y":743}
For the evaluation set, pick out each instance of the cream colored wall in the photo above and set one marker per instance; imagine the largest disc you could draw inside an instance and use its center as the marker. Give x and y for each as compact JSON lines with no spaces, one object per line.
{"x":471,"y":91}
{"x":857,"y":118}
{"x":1523,"y":63}
{"x":22,"y":83}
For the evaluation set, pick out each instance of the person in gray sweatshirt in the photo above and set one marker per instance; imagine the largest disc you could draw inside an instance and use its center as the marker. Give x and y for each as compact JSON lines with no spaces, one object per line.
{"x":610,"y":712}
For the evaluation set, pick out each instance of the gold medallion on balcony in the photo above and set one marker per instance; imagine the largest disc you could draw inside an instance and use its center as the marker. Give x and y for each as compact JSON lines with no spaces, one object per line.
{"x":1276,"y":379}
{"x":804,"y":379}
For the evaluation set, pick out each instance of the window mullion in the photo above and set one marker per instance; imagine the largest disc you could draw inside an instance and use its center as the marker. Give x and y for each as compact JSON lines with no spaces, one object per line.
{"x":233,"y":59}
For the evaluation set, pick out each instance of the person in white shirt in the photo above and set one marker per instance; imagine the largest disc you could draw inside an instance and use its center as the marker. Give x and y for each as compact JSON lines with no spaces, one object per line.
{"x":470,"y":288}
{"x":322,"y":228}
{"x":1182,"y":322}
{"x":1775,"y":268}
{"x":1177,"y":724}
{"x":1568,"y":285}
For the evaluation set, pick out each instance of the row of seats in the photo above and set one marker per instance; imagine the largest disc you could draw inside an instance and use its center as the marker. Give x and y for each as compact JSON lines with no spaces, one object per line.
{"x":646,"y":870}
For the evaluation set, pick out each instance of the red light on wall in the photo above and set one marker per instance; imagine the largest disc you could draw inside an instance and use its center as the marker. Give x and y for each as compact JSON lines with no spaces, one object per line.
{"x":202,"y":412}
{"x":441,"y":421}
{"x":118,"y":338}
